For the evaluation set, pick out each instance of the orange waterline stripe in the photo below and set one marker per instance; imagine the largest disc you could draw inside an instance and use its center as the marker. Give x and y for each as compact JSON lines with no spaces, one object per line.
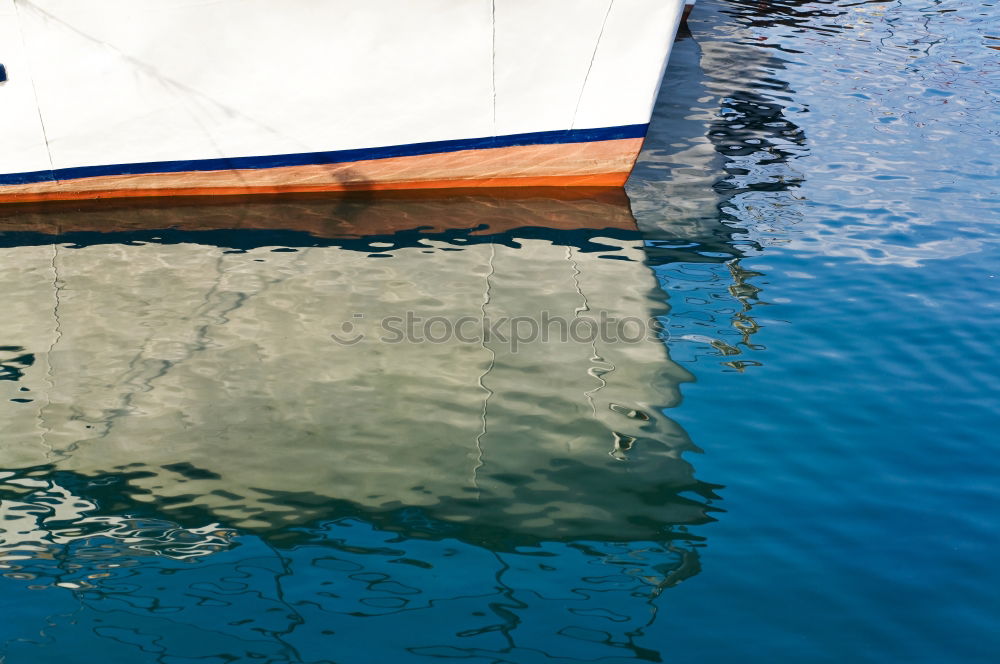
{"x":602,"y":180}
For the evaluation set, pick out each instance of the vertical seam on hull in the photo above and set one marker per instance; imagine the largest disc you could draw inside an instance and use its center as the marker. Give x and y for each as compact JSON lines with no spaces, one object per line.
{"x":590,"y":66}
{"x":34,"y":92}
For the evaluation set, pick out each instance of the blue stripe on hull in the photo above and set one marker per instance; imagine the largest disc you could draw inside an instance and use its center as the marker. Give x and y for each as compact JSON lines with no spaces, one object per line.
{"x":332,"y":157}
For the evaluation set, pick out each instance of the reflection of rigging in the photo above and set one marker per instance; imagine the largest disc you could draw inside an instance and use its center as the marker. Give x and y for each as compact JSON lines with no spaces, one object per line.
{"x":480,"y":453}
{"x":57,"y":286}
{"x":746,"y":326}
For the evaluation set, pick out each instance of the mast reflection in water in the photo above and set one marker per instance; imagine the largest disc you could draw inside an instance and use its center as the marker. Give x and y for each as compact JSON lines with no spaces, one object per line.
{"x":195,"y":468}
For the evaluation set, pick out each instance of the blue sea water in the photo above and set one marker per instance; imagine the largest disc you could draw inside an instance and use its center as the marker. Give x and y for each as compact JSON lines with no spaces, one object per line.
{"x":798,"y":464}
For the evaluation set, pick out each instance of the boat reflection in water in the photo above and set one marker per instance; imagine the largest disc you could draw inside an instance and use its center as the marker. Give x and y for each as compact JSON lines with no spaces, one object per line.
{"x":188,"y":391}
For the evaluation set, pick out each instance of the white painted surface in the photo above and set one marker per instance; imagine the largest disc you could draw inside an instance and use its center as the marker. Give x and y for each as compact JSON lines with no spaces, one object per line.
{"x":123,"y":81}
{"x":629,"y":63}
{"x":22,"y":146}
{"x":543,"y":56}
{"x":150,"y":80}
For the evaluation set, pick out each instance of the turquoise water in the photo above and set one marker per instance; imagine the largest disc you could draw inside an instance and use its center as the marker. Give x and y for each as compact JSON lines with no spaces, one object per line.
{"x":214,"y":451}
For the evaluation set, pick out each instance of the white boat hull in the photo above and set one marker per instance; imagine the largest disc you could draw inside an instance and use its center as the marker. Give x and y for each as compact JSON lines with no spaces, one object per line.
{"x":172,"y":97}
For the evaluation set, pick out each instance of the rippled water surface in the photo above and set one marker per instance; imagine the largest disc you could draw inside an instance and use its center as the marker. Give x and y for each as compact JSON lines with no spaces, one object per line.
{"x":277,"y":431}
